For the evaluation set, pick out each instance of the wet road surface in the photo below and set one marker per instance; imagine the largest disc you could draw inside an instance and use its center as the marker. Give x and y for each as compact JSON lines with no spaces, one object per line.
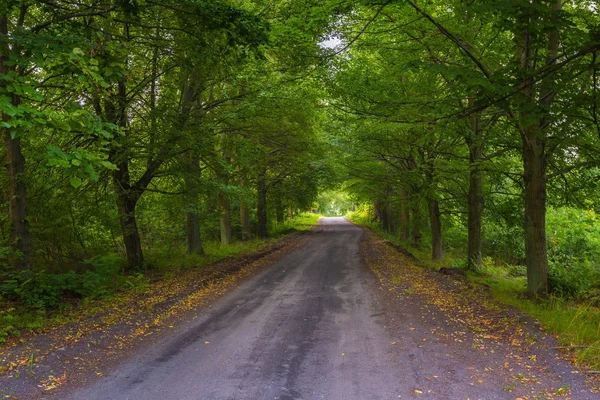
{"x":308,"y":327}
{"x":316,"y":325}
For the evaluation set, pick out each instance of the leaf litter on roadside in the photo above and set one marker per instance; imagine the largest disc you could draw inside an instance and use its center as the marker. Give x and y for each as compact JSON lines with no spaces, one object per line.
{"x":490,"y":325}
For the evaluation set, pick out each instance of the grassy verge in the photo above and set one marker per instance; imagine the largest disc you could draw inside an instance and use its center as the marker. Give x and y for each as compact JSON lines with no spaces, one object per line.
{"x":17,"y":319}
{"x":576,"y":324}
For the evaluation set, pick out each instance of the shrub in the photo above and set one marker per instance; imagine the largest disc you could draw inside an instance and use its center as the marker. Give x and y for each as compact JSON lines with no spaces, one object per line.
{"x":6,"y":324}
{"x":42,"y":290}
{"x":517,"y":271}
{"x":573,"y":251}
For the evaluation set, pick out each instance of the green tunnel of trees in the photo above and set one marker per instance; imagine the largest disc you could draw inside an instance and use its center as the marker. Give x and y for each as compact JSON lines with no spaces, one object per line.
{"x":133,"y":125}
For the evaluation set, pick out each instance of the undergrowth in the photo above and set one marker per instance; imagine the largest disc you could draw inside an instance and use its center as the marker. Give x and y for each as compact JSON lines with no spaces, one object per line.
{"x":34,"y":301}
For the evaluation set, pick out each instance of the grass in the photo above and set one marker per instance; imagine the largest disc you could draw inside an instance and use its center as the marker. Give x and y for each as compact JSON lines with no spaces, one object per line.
{"x":575,"y":324}
{"x":170,"y":260}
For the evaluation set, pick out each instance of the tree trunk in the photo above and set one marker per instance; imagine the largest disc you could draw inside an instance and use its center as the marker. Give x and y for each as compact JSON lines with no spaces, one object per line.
{"x":15,"y":165}
{"x":261,"y":206}
{"x":475,"y":196}
{"x":389,"y":210}
{"x":532,"y":128}
{"x":385,"y":220}
{"x":194,"y":240}
{"x":377,"y":211}
{"x":126,"y":202}
{"x":534,"y":169}
{"x":279,"y":212}
{"x":436,"y":230}
{"x":416,"y":225}
{"x":225,"y":219}
{"x":127,"y":196}
{"x":245,"y":221}
{"x":404,"y":216}
{"x":131,"y":236}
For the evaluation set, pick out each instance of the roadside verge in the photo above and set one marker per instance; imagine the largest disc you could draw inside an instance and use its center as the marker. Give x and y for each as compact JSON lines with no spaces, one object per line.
{"x":512,"y":349}
{"x":90,"y":345}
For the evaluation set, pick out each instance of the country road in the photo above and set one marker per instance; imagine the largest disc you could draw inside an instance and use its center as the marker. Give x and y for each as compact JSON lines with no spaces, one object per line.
{"x":311,"y":326}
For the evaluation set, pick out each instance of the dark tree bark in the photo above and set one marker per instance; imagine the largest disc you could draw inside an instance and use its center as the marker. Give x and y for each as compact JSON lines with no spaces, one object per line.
{"x":127,"y":195}
{"x":534,"y":164}
{"x":384,"y":217}
{"x":225,"y":219}
{"x":436,"y":230}
{"x":245,"y":221}
{"x":404,"y":216}
{"x":389,"y":212}
{"x":194,"y":240}
{"x":131,"y":237}
{"x":377,"y":216}
{"x":15,"y":165}
{"x":475,"y":195}
{"x":261,"y":205}
{"x":416,"y":223}
{"x":533,"y":126}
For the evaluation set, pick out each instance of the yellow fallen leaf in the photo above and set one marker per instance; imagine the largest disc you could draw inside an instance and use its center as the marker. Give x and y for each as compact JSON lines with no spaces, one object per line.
{"x":419,"y":391}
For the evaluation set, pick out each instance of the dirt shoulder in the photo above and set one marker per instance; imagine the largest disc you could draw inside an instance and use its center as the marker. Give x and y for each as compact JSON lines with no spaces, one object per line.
{"x":462,"y":336}
{"x":75,"y":352}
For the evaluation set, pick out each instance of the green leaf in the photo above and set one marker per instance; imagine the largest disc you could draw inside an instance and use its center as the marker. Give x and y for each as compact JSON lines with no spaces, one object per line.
{"x":76,"y":182}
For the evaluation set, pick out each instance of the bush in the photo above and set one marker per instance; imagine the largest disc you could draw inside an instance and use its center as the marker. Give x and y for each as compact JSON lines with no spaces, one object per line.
{"x":42,"y":290}
{"x":6,"y":324}
{"x":517,"y":271}
{"x":573,"y":251}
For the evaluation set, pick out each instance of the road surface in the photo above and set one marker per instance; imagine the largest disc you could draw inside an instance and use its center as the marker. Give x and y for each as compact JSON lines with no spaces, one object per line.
{"x":312,"y":326}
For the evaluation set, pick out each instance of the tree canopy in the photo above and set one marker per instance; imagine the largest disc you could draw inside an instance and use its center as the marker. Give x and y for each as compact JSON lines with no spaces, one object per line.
{"x":135,"y":125}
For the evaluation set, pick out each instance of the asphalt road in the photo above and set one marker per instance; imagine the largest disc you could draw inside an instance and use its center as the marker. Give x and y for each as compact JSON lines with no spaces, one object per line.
{"x":306,"y":328}
{"x":315,"y":325}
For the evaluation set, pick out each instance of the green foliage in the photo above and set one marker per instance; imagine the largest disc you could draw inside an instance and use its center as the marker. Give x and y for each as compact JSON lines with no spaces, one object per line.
{"x":334,"y":203}
{"x":168,"y":260}
{"x":574,"y":251}
{"x":7,"y":324}
{"x":42,"y":290}
{"x":301,"y":222}
{"x":516,"y":271}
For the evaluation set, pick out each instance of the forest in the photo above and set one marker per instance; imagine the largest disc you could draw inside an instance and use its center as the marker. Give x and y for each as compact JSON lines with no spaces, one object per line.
{"x":139,"y":136}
